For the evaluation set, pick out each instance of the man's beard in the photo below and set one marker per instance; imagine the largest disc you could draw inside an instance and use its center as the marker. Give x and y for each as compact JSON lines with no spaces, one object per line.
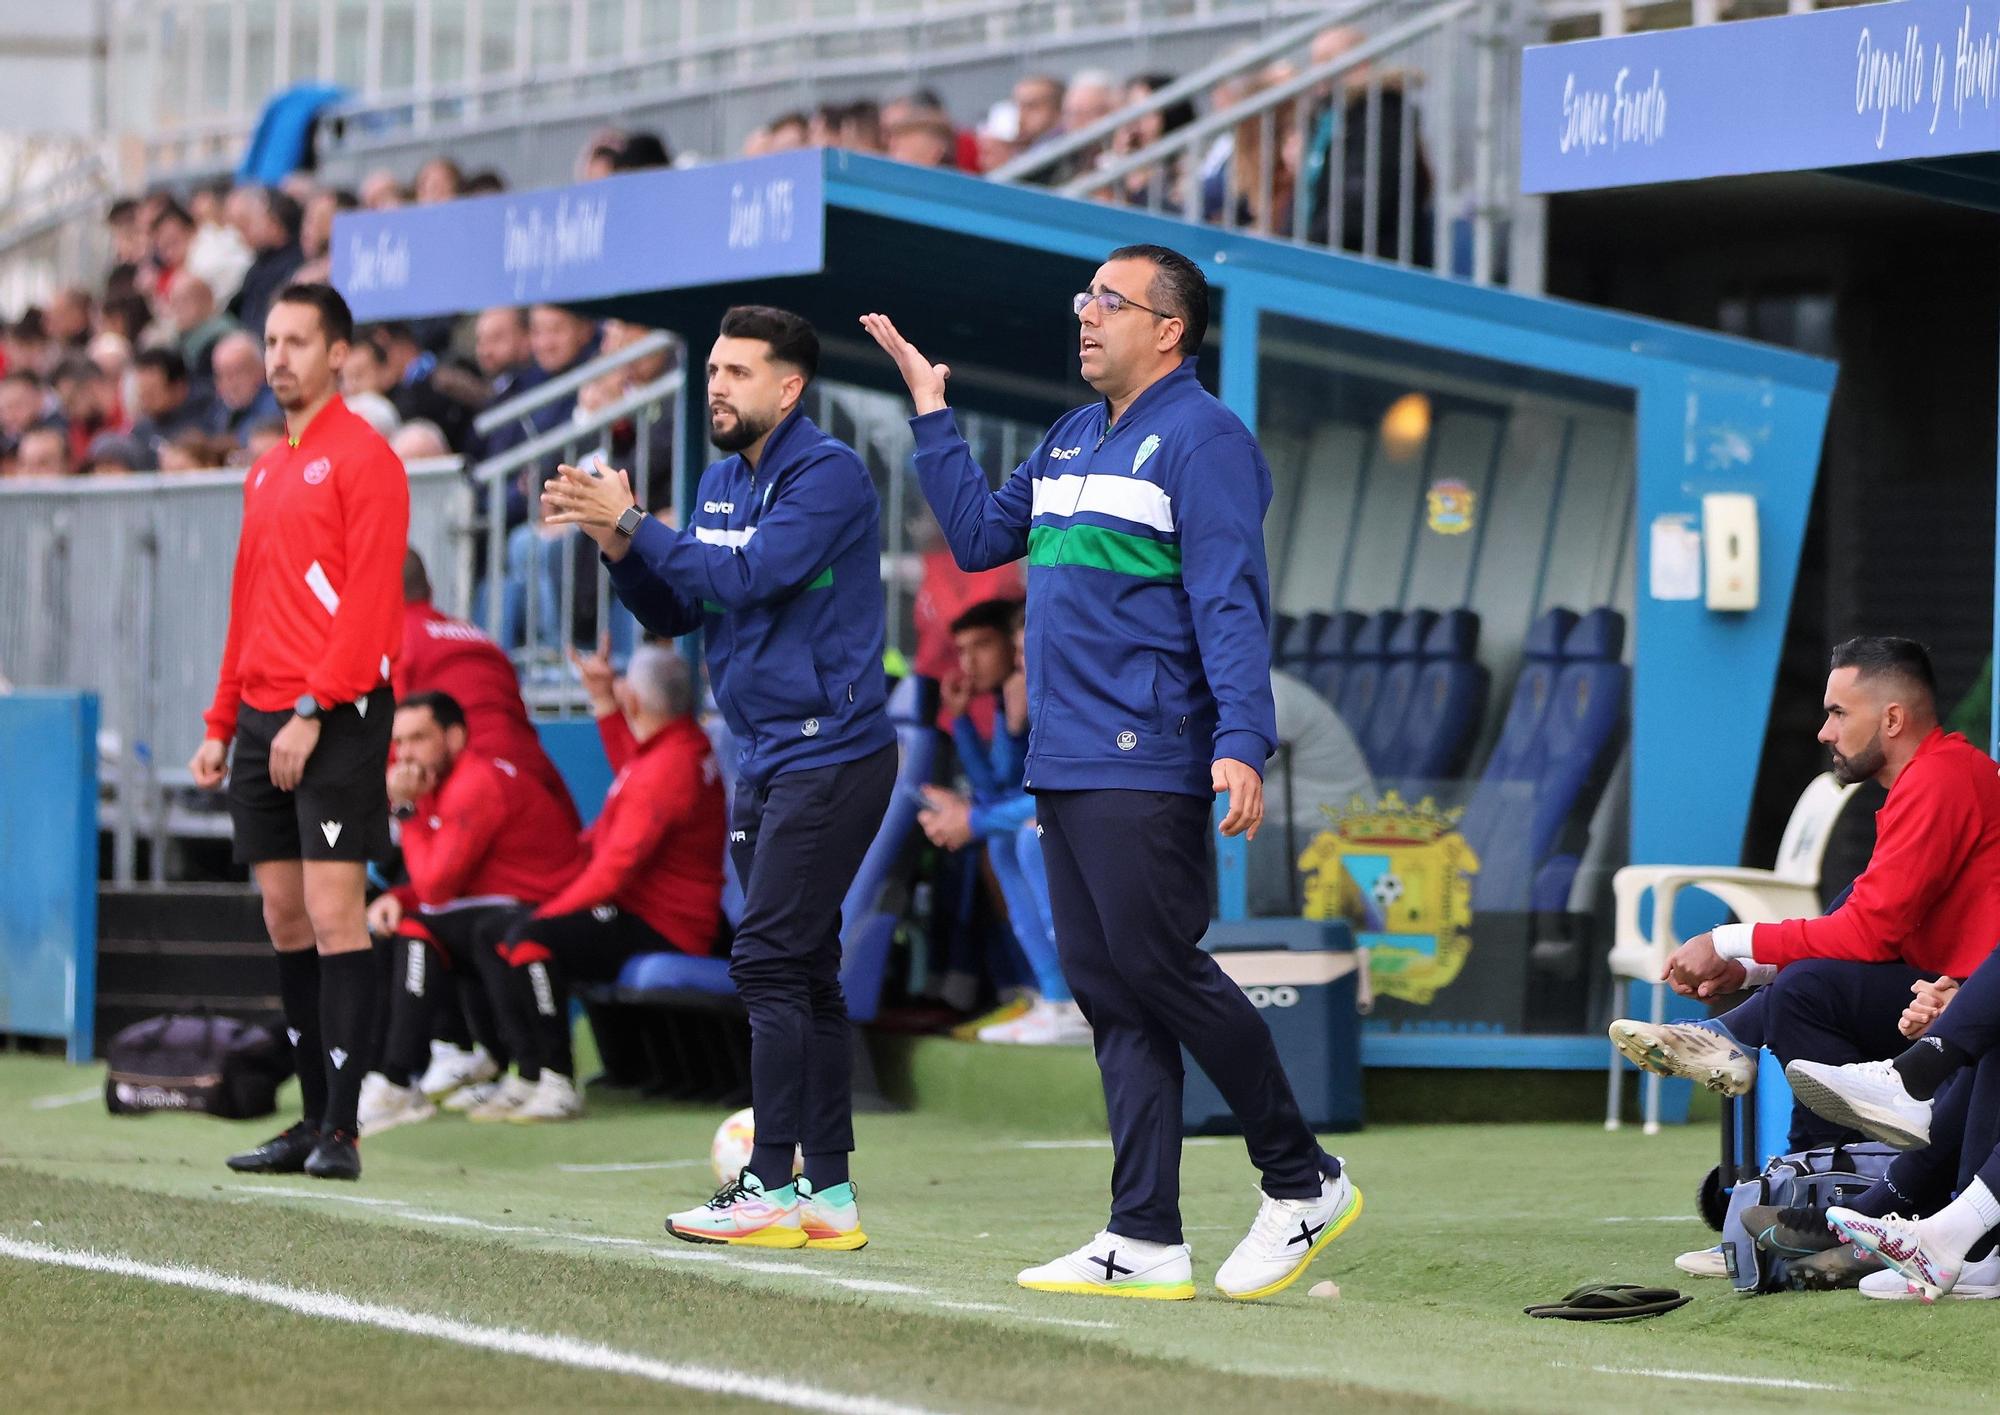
{"x":1862,"y":765}
{"x":745,"y":431}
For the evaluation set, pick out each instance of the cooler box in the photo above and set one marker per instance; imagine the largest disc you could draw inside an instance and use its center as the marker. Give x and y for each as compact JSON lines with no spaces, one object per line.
{"x":1301,"y":974}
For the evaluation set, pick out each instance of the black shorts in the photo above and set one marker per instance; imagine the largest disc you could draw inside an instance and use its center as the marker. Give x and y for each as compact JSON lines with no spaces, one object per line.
{"x":340,"y":810}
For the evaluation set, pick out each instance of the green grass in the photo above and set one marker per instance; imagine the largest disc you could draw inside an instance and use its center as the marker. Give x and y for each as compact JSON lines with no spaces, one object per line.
{"x":1464,"y":1226}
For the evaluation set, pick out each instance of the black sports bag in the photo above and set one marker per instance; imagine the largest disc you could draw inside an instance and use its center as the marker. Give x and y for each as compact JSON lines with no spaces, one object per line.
{"x":207,"y":1064}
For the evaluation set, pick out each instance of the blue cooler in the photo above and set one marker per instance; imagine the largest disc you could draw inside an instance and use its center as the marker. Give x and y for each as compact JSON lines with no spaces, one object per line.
{"x":1301,"y":974}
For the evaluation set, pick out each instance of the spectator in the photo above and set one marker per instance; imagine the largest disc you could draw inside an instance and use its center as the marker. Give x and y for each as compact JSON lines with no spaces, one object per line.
{"x":500,"y":348}
{"x":316,"y":231}
{"x":69,"y":318}
{"x":24,"y":404}
{"x":262,"y":437}
{"x":921,"y":135}
{"x":640,"y":151}
{"x":128,"y":316}
{"x":420,"y":386}
{"x":1038,"y":99}
{"x":485,"y":183}
{"x":218,"y":253}
{"x":1251,"y":171}
{"x":419,"y":439}
{"x":42,"y":452}
{"x":195,"y":452}
{"x":197,"y":325}
{"x":1137,"y":188}
{"x":241,"y":396}
{"x":825,"y":128}
{"x":380,"y":191}
{"x":28,"y":346}
{"x":998,"y":135}
{"x":787,"y":133}
{"x":365,"y":371}
{"x":861,"y":127}
{"x":168,"y":406}
{"x":1090,"y":97}
{"x":173,"y":237}
{"x":756,"y":142}
{"x":1343,"y":117}
{"x":114,"y":454}
{"x":85,"y":397}
{"x":131,"y":243}
{"x":269,"y":223}
{"x":375,"y":410}
{"x":599,"y":162}
{"x":438,"y":180}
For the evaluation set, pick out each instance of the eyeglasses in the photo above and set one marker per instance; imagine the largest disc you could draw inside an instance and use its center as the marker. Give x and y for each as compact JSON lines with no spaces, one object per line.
{"x":1110,"y":302}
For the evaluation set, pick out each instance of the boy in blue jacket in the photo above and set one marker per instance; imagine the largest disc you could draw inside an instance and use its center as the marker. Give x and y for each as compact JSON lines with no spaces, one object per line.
{"x":1149,"y":693}
{"x":781,"y":570}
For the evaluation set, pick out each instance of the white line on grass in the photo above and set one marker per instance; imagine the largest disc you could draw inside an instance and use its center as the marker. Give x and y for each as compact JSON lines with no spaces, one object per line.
{"x":1710,"y":1377}
{"x":73,"y":1098}
{"x":1654,"y":1218}
{"x":1023,"y":1316}
{"x":629,"y":1168}
{"x":536,"y":1346}
{"x":1196,"y":1143}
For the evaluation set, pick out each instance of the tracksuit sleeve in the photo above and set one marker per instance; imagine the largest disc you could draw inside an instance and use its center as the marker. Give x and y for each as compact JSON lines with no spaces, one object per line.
{"x":814,"y":517}
{"x":1224,"y":490}
{"x":1009,"y":813}
{"x":471,"y":821}
{"x":973,"y":754}
{"x":220,"y":718}
{"x":984,"y":528}
{"x":653,"y":602}
{"x":1921,"y":844}
{"x":623,"y":842}
{"x":620,"y":746}
{"x":376,"y":515}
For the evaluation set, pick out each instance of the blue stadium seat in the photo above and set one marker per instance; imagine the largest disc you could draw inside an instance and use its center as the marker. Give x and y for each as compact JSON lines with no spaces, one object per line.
{"x":1384,"y":742}
{"x":874,"y":903}
{"x":1586,"y":724}
{"x":677,"y":972}
{"x":1367,"y":663}
{"x":1281,"y":626}
{"x":1505,"y":798}
{"x":1446,"y":706}
{"x":1332,"y":654}
{"x":1299,"y":649}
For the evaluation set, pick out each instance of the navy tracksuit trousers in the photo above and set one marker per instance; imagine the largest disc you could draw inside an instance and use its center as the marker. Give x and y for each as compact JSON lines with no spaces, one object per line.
{"x":1129,"y":881}
{"x":797,"y":841}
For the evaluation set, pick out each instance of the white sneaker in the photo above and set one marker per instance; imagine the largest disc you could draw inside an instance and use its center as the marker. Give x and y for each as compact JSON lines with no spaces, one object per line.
{"x":1287,"y":1234}
{"x":554,"y":1098}
{"x":466,"y":1099}
{"x":1683,"y":1049}
{"x":452,"y":1067}
{"x":1703,"y":1262}
{"x":1867,"y":1096}
{"x":1903,"y":1245}
{"x":1110,"y":1266}
{"x":1980,"y":1282}
{"x":513,"y":1093}
{"x":384,"y":1105}
{"x":1044,"y":1024}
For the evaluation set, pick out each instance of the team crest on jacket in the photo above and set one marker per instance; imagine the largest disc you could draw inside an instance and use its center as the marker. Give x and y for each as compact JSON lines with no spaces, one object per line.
{"x":1127,"y":741}
{"x":1146,"y":449}
{"x":317,"y":471}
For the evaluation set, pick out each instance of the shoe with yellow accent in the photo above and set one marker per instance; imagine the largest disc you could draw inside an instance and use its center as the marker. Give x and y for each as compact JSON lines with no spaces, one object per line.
{"x":830,"y":1217}
{"x":1287,"y":1235}
{"x":1009,"y":1009}
{"x":1110,"y":1266}
{"x":743,"y":1213}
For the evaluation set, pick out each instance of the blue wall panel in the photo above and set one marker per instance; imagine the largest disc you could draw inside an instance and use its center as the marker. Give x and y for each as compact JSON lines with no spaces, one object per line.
{"x":48,"y":840}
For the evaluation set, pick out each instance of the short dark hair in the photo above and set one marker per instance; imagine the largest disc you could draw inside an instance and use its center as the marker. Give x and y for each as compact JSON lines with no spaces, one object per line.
{"x":416,"y":579}
{"x":1178,"y":288}
{"x":640,"y":151}
{"x":168,"y":363}
{"x":484,"y":182}
{"x":122,"y":210}
{"x":441,"y":706}
{"x":793,"y":119}
{"x":171,"y":210}
{"x":285,"y":211}
{"x":334,"y":315}
{"x":1885,"y":656}
{"x":75,"y":368}
{"x":390,"y":331}
{"x":995,"y":614}
{"x":791,"y":337}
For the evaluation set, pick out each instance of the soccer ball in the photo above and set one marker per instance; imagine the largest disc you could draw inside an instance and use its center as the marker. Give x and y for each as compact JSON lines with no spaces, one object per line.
{"x":730,"y":1150}
{"x":1388,"y":889}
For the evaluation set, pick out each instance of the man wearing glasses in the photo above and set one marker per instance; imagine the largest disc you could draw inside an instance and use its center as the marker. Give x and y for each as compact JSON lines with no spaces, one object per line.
{"x":1150,"y":693}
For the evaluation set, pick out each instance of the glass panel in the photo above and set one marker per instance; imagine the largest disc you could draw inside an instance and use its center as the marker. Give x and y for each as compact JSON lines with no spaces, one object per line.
{"x":549,"y":39}
{"x":499,"y":24}
{"x":607,"y":28}
{"x":1454,"y":731}
{"x":215,"y":68}
{"x":399,"y":45}
{"x":659,"y":23}
{"x":350,"y":43}
{"x":448,"y":41}
{"x":259,"y":52}
{"x":305,"y":40}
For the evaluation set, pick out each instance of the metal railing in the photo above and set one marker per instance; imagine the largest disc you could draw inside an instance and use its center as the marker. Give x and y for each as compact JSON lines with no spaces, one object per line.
{"x":52,"y":234}
{"x":120,"y":586}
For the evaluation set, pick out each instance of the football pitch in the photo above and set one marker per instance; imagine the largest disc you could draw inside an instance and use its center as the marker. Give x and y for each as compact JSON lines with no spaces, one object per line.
{"x":506,"y":1268}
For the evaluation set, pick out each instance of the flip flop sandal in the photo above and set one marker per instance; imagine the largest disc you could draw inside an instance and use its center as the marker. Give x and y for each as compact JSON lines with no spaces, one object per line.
{"x":1611,"y":1302}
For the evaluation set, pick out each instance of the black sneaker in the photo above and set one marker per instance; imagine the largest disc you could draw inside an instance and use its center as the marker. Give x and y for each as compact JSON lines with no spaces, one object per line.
{"x":281,"y":1154}
{"x":337,"y":1156}
{"x":1835,"y":1268}
{"x":1792,"y":1232}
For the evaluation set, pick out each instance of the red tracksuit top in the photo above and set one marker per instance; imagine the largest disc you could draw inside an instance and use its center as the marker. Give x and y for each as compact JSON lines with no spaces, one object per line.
{"x":656,"y":851}
{"x":1930,"y":896}
{"x":489,"y":833}
{"x":445,"y":655}
{"x":316,"y":599}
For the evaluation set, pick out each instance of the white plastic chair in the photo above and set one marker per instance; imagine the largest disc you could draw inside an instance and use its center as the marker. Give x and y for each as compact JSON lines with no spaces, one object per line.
{"x":1788,"y":890}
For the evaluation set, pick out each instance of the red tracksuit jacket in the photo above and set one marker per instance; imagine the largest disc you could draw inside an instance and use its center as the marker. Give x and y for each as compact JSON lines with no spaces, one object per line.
{"x":445,"y":655}
{"x":1930,"y":896}
{"x":656,"y":851}
{"x":316,"y":598}
{"x":489,"y":833}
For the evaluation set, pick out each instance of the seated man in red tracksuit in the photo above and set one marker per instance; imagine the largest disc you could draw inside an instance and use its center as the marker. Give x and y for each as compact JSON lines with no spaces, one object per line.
{"x":481,"y":838}
{"x":651,"y":882}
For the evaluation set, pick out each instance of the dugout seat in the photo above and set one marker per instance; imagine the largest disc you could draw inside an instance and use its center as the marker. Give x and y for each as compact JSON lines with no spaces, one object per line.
{"x":1437,"y":715}
{"x":1299,"y":648}
{"x":1383,"y":742}
{"x":1333,"y":653}
{"x":1367,"y":664}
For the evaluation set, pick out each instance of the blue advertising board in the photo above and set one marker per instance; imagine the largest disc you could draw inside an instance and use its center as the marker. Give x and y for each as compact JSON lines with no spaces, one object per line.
{"x":48,"y":837}
{"x":660,"y":230}
{"x":1836,"y":88}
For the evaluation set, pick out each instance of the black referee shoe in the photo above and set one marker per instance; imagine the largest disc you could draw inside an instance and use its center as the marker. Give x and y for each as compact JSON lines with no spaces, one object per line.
{"x":281,"y":1154}
{"x":337,"y":1156}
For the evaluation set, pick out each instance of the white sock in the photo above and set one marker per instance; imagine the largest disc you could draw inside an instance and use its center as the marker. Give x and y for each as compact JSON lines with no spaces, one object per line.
{"x":1964,"y":1221}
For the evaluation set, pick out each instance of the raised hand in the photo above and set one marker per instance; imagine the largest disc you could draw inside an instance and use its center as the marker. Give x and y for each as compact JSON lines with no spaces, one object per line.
{"x":925,"y":379}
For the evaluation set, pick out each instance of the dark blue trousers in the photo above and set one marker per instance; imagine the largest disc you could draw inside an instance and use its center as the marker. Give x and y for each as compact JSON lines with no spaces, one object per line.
{"x":1129,"y":881}
{"x":1828,"y":1010}
{"x":797,"y":841}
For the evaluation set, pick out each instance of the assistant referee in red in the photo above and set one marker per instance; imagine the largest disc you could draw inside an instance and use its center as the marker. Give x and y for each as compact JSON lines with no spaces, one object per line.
{"x":315,"y":620}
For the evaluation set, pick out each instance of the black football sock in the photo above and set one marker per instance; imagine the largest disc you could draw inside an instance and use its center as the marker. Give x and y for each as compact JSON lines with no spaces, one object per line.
{"x":349,"y":1000}
{"x":298,"y":991}
{"x":772,"y":1164}
{"x":826,"y":1171}
{"x":1926,"y":1066}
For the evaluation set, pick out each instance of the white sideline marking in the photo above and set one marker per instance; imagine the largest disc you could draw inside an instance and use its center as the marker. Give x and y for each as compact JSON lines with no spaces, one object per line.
{"x":629,"y":1168}
{"x":1655,"y":1218}
{"x":1105,"y":1144}
{"x":1024,"y":1316}
{"x":58,"y":1102}
{"x":536,"y":1346}
{"x":876,"y":1284}
{"x":1773,"y":1382}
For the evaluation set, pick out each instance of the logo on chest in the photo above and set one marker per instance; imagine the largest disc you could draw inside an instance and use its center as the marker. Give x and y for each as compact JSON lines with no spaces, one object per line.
{"x":1065,"y":453}
{"x":718,"y":508}
{"x":317,"y":471}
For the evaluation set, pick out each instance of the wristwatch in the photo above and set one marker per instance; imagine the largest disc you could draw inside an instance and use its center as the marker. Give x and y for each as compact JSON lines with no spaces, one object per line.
{"x":307,"y":707}
{"x":628,"y":522}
